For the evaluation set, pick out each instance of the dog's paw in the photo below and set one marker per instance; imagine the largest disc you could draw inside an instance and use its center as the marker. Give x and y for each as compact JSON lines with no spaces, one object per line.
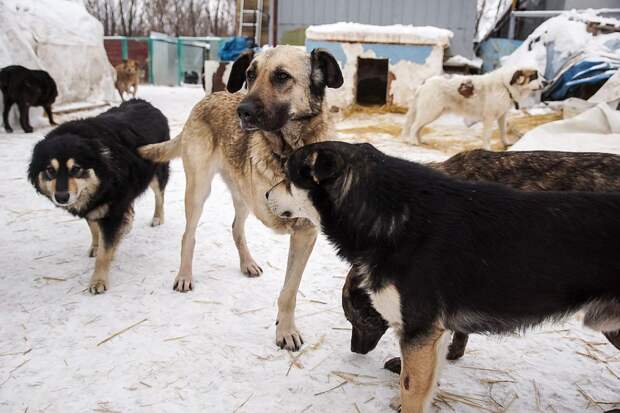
{"x":92,"y":251}
{"x":97,"y":286}
{"x":288,"y":338}
{"x":157,"y":221}
{"x":393,"y":365}
{"x":395,"y":403}
{"x":251,"y":268}
{"x":183,"y":283}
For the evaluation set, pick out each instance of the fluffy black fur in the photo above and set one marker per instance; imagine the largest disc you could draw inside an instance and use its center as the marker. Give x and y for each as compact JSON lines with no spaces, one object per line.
{"x":528,"y":170}
{"x":26,"y":88}
{"x":108,"y":144}
{"x":475,"y":257}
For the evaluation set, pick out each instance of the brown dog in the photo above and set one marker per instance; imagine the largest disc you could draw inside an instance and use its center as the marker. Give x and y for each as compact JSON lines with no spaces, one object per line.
{"x":246,"y":138}
{"x":532,"y":171}
{"x":127,"y":77}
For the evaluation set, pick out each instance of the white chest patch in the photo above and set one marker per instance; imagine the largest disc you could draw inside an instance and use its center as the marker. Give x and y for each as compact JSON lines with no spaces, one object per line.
{"x":387,"y":302}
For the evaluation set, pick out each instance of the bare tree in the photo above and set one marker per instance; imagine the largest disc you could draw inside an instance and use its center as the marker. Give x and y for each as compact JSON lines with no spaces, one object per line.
{"x":173,"y":17}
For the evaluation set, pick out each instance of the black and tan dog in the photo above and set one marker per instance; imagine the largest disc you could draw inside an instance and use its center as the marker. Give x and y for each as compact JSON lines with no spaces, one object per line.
{"x":92,"y":169}
{"x":436,"y":253}
{"x":528,"y":170}
{"x":26,"y":88}
{"x":246,"y":138}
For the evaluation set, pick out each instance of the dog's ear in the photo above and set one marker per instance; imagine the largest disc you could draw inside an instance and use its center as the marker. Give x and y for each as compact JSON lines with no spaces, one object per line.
{"x":518,"y":78}
{"x":325,"y":69}
{"x":324,"y":164}
{"x":237,"y":73}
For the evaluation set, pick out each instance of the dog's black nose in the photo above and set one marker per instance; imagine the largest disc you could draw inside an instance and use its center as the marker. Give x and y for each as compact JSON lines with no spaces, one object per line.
{"x":62,"y":197}
{"x":246,"y":111}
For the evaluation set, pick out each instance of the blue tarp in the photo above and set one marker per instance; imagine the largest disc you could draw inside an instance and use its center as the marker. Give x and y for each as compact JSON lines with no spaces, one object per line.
{"x":584,"y":72}
{"x":234,"y":47}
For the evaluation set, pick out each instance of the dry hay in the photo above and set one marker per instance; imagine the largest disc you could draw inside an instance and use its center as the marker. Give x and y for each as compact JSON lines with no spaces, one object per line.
{"x":450,"y":139}
{"x":356,"y":109}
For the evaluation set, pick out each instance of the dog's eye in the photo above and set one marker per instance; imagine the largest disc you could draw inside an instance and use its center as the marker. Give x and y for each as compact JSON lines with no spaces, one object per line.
{"x":76,"y":170}
{"x":50,"y":172}
{"x":282,"y":76}
{"x":251,"y":75}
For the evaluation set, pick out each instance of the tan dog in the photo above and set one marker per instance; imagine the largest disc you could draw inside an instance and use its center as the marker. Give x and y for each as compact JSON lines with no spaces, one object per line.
{"x":487,"y":98}
{"x":127,"y":77}
{"x":246,"y":138}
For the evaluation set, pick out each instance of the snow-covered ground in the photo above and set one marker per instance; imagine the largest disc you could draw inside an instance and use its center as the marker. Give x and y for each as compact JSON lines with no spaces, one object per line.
{"x":212,"y":350}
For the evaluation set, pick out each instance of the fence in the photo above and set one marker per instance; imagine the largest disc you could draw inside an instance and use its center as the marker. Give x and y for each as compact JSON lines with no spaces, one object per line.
{"x":165,"y":60}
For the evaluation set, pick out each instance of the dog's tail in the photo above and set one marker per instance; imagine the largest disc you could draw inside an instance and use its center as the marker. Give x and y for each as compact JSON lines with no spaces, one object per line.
{"x":162,"y":152}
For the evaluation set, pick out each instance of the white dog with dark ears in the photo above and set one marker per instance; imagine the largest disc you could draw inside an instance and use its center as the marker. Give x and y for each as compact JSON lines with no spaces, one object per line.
{"x":485,"y":98}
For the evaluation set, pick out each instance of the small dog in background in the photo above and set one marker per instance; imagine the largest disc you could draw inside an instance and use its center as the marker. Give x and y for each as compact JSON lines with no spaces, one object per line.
{"x":26,"y":88}
{"x":91,"y":168}
{"x":127,"y":77}
{"x":487,"y":98}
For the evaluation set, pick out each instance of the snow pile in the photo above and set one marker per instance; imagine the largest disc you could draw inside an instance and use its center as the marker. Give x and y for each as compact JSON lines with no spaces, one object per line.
{"x":58,"y":36}
{"x":366,"y":33}
{"x":562,"y":40}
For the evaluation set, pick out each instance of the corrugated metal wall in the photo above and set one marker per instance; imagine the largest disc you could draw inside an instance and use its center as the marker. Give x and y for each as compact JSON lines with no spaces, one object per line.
{"x":456,"y":15}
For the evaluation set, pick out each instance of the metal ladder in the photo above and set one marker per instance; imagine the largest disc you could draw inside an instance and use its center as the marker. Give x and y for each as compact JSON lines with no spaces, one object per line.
{"x":258,"y":19}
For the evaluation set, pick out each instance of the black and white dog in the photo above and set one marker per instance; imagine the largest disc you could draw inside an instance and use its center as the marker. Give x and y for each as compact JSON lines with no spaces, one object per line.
{"x":92,"y":169}
{"x":436,"y":253}
{"x":527,"y":170}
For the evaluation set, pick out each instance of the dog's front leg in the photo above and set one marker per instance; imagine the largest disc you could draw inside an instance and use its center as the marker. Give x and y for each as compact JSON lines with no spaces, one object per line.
{"x":5,"y":112}
{"x":94,"y":243}
{"x":487,"y":129}
{"x":108,"y":241}
{"x":301,"y":244}
{"x":422,"y":357}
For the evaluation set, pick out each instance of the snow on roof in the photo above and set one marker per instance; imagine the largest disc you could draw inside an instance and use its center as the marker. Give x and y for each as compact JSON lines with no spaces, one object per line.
{"x":366,"y":33}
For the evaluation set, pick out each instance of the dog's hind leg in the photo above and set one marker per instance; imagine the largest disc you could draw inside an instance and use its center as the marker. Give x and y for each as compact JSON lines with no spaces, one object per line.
{"x":199,"y":172}
{"x":24,"y":117}
{"x":7,"y":102}
{"x":604,"y":316}
{"x":501,"y":123}
{"x":301,"y":245}
{"x":158,"y":191}
{"x":410,"y":117}
{"x":457,"y":346}
{"x":614,"y":338}
{"x":50,"y":116}
{"x":94,"y":243}
{"x":422,"y":118}
{"x":422,"y":359}
{"x":247,"y":263}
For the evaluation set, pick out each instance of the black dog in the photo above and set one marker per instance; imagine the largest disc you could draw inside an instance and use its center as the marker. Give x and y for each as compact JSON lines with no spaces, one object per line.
{"x":26,"y":88}
{"x":92,"y":169}
{"x":529,"y":170}
{"x":436,"y":253}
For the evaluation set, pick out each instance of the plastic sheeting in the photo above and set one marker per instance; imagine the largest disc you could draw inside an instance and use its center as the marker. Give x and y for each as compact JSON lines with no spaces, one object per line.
{"x":595,"y":130}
